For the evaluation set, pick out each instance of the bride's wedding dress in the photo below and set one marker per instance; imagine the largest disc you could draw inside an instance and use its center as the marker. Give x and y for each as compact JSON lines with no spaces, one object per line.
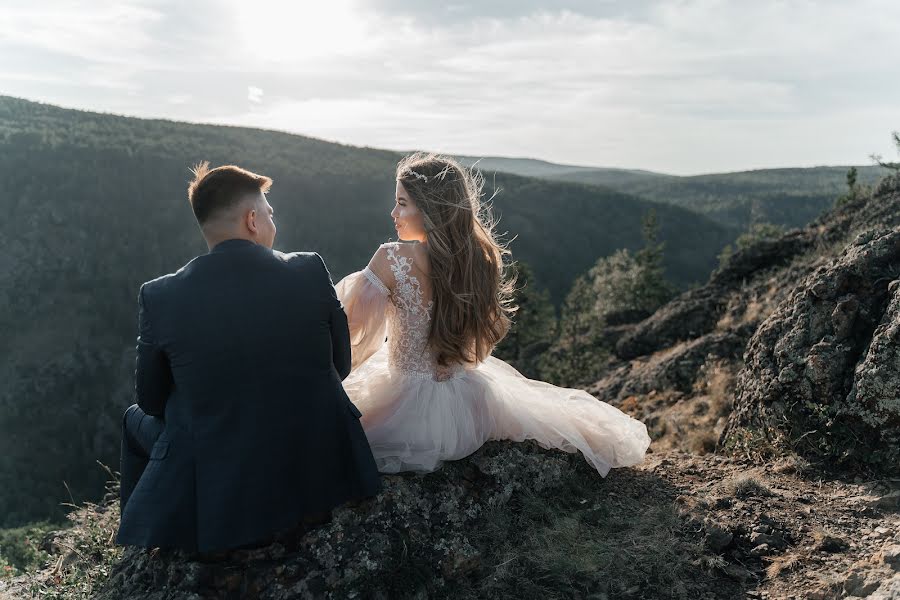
{"x":417,"y":414}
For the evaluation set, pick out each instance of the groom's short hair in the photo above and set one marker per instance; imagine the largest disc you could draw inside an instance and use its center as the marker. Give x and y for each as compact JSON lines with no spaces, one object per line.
{"x":214,"y":191}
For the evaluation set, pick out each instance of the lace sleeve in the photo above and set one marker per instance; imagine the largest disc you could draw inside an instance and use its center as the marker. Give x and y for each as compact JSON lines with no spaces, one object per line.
{"x":365,"y":300}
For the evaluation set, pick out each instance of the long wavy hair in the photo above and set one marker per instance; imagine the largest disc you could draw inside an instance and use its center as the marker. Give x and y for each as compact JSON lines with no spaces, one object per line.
{"x":471,"y":287}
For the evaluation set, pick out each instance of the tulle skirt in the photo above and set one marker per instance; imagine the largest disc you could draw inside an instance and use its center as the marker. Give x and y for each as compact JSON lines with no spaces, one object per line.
{"x":414,"y":423}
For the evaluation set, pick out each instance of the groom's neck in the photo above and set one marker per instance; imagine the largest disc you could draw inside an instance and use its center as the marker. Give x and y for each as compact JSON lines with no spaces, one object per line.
{"x":214,"y":240}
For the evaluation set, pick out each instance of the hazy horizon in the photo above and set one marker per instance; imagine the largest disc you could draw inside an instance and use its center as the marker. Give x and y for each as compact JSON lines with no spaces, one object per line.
{"x":684,"y":88}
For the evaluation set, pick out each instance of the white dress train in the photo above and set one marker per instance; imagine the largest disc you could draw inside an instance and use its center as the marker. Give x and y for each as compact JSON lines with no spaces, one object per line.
{"x":417,"y":414}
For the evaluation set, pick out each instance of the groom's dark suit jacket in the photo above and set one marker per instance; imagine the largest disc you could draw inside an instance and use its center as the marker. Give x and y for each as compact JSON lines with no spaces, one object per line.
{"x":242,"y":351}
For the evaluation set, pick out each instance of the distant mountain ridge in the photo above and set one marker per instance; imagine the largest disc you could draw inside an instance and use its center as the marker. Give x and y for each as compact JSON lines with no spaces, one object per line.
{"x":790,"y":197}
{"x":533,"y":167}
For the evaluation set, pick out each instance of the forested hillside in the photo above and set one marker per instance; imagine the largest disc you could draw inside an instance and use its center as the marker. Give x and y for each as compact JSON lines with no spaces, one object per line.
{"x":95,"y":204}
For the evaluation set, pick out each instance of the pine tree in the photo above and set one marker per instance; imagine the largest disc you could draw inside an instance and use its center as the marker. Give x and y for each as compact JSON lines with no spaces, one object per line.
{"x":851,"y":179}
{"x":578,"y":355}
{"x":853,"y":188}
{"x":632,"y":286}
{"x":653,"y":290}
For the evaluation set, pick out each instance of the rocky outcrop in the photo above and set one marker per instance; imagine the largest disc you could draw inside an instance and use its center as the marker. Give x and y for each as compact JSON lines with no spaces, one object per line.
{"x":511,"y":521}
{"x":696,"y":312}
{"x":414,"y":537}
{"x":822,"y":373}
{"x":764,"y":254}
{"x":674,"y":369}
{"x":688,"y":316}
{"x":812,"y":313}
{"x":875,"y":395}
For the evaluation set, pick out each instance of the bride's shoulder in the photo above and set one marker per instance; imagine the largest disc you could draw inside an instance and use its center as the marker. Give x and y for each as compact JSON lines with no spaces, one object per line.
{"x":384,"y":253}
{"x":387,"y":247}
{"x":383,"y":259}
{"x":394,"y":252}
{"x":397,"y":255}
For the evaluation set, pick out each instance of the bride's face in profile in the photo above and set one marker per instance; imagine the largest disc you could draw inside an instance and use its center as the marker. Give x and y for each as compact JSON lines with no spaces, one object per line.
{"x":408,"y":219}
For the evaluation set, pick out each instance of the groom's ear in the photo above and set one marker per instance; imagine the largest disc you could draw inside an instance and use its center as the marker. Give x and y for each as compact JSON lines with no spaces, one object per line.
{"x":250,"y":220}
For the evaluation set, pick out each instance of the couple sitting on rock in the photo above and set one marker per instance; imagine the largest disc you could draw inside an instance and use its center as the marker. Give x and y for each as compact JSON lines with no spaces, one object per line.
{"x":266,"y":396}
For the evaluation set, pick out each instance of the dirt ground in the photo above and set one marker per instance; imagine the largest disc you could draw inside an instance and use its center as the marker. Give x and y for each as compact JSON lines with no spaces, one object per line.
{"x":785,"y":532}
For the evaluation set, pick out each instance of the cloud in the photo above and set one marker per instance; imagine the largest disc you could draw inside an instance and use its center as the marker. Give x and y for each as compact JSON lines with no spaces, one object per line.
{"x":254,"y":94}
{"x":689,"y":86}
{"x":443,"y":13}
{"x":114,"y":33}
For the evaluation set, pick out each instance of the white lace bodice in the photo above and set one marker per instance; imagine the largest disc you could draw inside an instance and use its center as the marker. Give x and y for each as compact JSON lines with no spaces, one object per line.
{"x":409,"y":320}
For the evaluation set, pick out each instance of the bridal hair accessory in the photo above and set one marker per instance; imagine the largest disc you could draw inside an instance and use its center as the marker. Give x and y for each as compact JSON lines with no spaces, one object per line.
{"x":418,"y":175}
{"x":426,"y":178}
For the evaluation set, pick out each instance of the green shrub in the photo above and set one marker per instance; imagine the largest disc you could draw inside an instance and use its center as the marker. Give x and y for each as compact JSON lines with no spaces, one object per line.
{"x":20,"y":548}
{"x":755,"y":233}
{"x":626,"y":282}
{"x":577,"y":356}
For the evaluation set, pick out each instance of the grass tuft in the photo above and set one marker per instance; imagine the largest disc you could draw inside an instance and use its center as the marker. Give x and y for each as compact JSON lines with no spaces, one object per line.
{"x":745,"y":487}
{"x":85,"y":553}
{"x":783,"y":564}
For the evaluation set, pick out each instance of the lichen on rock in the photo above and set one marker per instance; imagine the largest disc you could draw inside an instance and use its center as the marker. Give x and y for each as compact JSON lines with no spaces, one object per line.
{"x":820,"y":374}
{"x":415,"y":537}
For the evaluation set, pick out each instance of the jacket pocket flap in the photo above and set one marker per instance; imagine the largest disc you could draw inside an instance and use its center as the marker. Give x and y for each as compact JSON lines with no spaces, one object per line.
{"x":159,"y":451}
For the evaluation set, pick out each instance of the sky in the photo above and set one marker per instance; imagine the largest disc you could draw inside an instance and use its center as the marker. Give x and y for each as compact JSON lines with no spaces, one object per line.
{"x":682,"y":87}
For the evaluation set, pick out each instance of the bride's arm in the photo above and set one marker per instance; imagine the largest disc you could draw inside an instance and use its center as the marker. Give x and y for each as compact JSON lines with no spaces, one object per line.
{"x":365,"y":297}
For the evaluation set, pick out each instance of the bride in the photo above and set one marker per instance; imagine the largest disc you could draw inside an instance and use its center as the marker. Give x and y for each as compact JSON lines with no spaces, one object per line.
{"x":433,"y":392}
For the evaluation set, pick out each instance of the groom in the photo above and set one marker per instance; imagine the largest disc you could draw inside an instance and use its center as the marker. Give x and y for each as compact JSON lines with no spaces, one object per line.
{"x":242,"y":430}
